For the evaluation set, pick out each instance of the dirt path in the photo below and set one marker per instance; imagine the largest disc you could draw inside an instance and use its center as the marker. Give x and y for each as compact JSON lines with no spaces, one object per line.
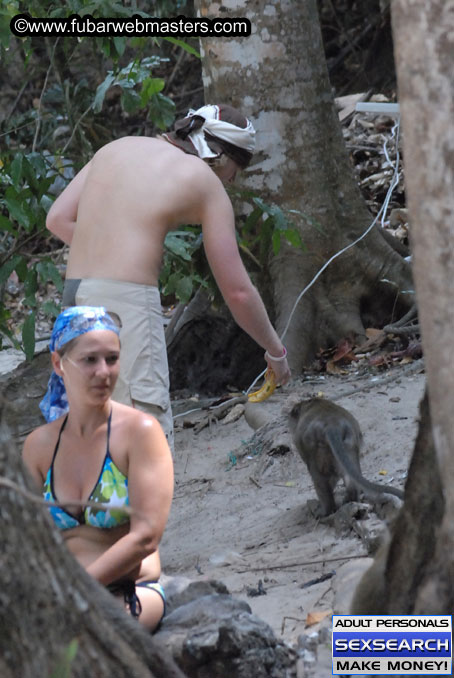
{"x":223,"y":526}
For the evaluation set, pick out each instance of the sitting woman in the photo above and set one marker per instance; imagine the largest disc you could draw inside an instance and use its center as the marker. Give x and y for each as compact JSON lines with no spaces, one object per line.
{"x":95,"y":450}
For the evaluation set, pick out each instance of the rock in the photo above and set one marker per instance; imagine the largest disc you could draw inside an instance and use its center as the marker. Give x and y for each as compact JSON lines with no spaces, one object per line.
{"x":185,"y":591}
{"x":258,"y":414}
{"x":212,"y":635}
{"x":23,"y":388}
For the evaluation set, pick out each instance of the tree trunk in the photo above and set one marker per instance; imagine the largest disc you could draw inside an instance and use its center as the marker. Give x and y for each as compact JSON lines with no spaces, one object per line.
{"x":417,"y":574}
{"x":204,"y":337}
{"x":424,"y":47}
{"x":47,"y":600}
{"x":278,"y":77}
{"x":408,"y":559}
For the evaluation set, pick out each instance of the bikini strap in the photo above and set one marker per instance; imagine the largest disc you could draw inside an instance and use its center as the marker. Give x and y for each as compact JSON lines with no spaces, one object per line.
{"x":108,"y":433}
{"x":58,"y":439}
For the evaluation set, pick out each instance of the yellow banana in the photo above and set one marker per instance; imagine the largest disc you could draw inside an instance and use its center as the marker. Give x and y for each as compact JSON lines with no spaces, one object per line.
{"x":266,"y":389}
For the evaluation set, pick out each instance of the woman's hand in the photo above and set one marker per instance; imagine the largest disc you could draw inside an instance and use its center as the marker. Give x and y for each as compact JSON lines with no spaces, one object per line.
{"x":150,"y":487}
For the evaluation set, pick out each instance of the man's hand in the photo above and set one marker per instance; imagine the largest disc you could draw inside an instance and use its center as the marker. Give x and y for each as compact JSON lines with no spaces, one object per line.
{"x":280,"y":367}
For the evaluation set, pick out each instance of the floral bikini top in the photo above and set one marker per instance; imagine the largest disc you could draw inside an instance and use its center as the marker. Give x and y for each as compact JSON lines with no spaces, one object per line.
{"x":111,"y":489}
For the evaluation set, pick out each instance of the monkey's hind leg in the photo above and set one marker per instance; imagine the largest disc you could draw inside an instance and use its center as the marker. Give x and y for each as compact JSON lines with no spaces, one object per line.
{"x":324,"y":488}
{"x":352,"y":492}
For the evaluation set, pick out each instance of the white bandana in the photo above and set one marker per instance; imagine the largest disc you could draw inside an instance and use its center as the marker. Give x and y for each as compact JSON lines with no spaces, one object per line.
{"x":238,"y":136}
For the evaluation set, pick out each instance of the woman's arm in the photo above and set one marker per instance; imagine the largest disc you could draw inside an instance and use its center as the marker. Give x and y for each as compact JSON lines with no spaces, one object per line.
{"x":150,"y":485}
{"x":36,"y":452}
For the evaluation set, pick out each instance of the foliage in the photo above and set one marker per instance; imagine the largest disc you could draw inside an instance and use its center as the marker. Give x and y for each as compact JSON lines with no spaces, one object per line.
{"x":139,"y":90}
{"x":73,"y":96}
{"x":185,"y":270}
{"x":266,"y":226}
{"x":58,"y":119}
{"x":180,"y":275}
{"x":25,"y":179}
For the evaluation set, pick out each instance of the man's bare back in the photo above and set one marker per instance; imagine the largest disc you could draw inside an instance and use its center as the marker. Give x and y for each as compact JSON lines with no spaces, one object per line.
{"x":135,"y":190}
{"x":115,"y":215}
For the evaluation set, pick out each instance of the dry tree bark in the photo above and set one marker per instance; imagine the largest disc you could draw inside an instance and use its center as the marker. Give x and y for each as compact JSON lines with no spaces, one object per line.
{"x":278,"y":77}
{"x":418,"y":570}
{"x":423,"y":34}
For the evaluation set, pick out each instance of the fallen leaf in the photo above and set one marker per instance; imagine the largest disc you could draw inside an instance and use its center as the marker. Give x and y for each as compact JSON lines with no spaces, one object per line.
{"x":344,"y":351}
{"x":316,"y":617}
{"x":375,"y":339}
{"x":382,"y":472}
{"x":373,"y":332}
{"x":379,"y":360}
{"x":332,"y":368}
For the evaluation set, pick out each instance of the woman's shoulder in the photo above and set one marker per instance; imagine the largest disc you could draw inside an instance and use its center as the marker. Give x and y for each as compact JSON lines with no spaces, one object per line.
{"x":43,"y":437}
{"x":132,"y":418}
{"x":39,"y":447}
{"x":136,"y":426}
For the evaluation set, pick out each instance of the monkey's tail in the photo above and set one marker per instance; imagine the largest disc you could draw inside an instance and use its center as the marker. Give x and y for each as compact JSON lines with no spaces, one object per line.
{"x":337,"y":445}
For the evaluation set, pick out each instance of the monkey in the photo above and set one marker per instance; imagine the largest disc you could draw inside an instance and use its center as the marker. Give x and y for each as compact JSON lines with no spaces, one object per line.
{"x":328,"y":439}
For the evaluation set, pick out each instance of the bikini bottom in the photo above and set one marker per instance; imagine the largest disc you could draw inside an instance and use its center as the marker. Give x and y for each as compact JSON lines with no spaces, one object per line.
{"x":127,"y":588}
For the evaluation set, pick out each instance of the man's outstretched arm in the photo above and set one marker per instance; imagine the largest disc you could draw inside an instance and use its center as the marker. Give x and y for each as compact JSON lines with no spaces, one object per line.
{"x":236,"y":287}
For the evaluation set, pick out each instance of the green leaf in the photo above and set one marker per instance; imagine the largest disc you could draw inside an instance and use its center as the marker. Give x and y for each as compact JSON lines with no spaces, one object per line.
{"x":252,"y":219}
{"x":150,"y":86}
{"x":46,"y":202}
{"x":8,"y":267}
{"x":17,"y":212}
{"x":120,"y":45}
{"x":7,"y":225}
{"x":161,"y":111}
{"x":51,"y":308}
{"x":38,"y":163}
{"x":130,"y":100}
{"x":48,"y":271}
{"x":101,"y":91}
{"x":31,"y":286}
{"x":21,"y":269}
{"x":4,"y":329}
{"x":29,"y":173}
{"x":16,"y":170}
{"x":274,"y":212}
{"x":105,"y":45}
{"x":293,"y":237}
{"x":184,"y":289}
{"x":276,"y":240}
{"x":178,"y":246}
{"x":184,"y":45}
{"x":171,"y":284}
{"x":28,"y":335}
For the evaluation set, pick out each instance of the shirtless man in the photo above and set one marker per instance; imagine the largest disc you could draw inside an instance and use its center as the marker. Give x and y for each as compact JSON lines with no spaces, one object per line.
{"x":115,"y":215}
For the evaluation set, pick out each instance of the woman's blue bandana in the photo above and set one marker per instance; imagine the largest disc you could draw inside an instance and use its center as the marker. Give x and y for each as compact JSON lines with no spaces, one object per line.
{"x":71,"y":323}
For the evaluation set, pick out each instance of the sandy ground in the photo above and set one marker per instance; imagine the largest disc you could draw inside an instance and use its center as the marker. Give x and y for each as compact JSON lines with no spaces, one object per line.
{"x":224,"y":526}
{"x":260,"y":535}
